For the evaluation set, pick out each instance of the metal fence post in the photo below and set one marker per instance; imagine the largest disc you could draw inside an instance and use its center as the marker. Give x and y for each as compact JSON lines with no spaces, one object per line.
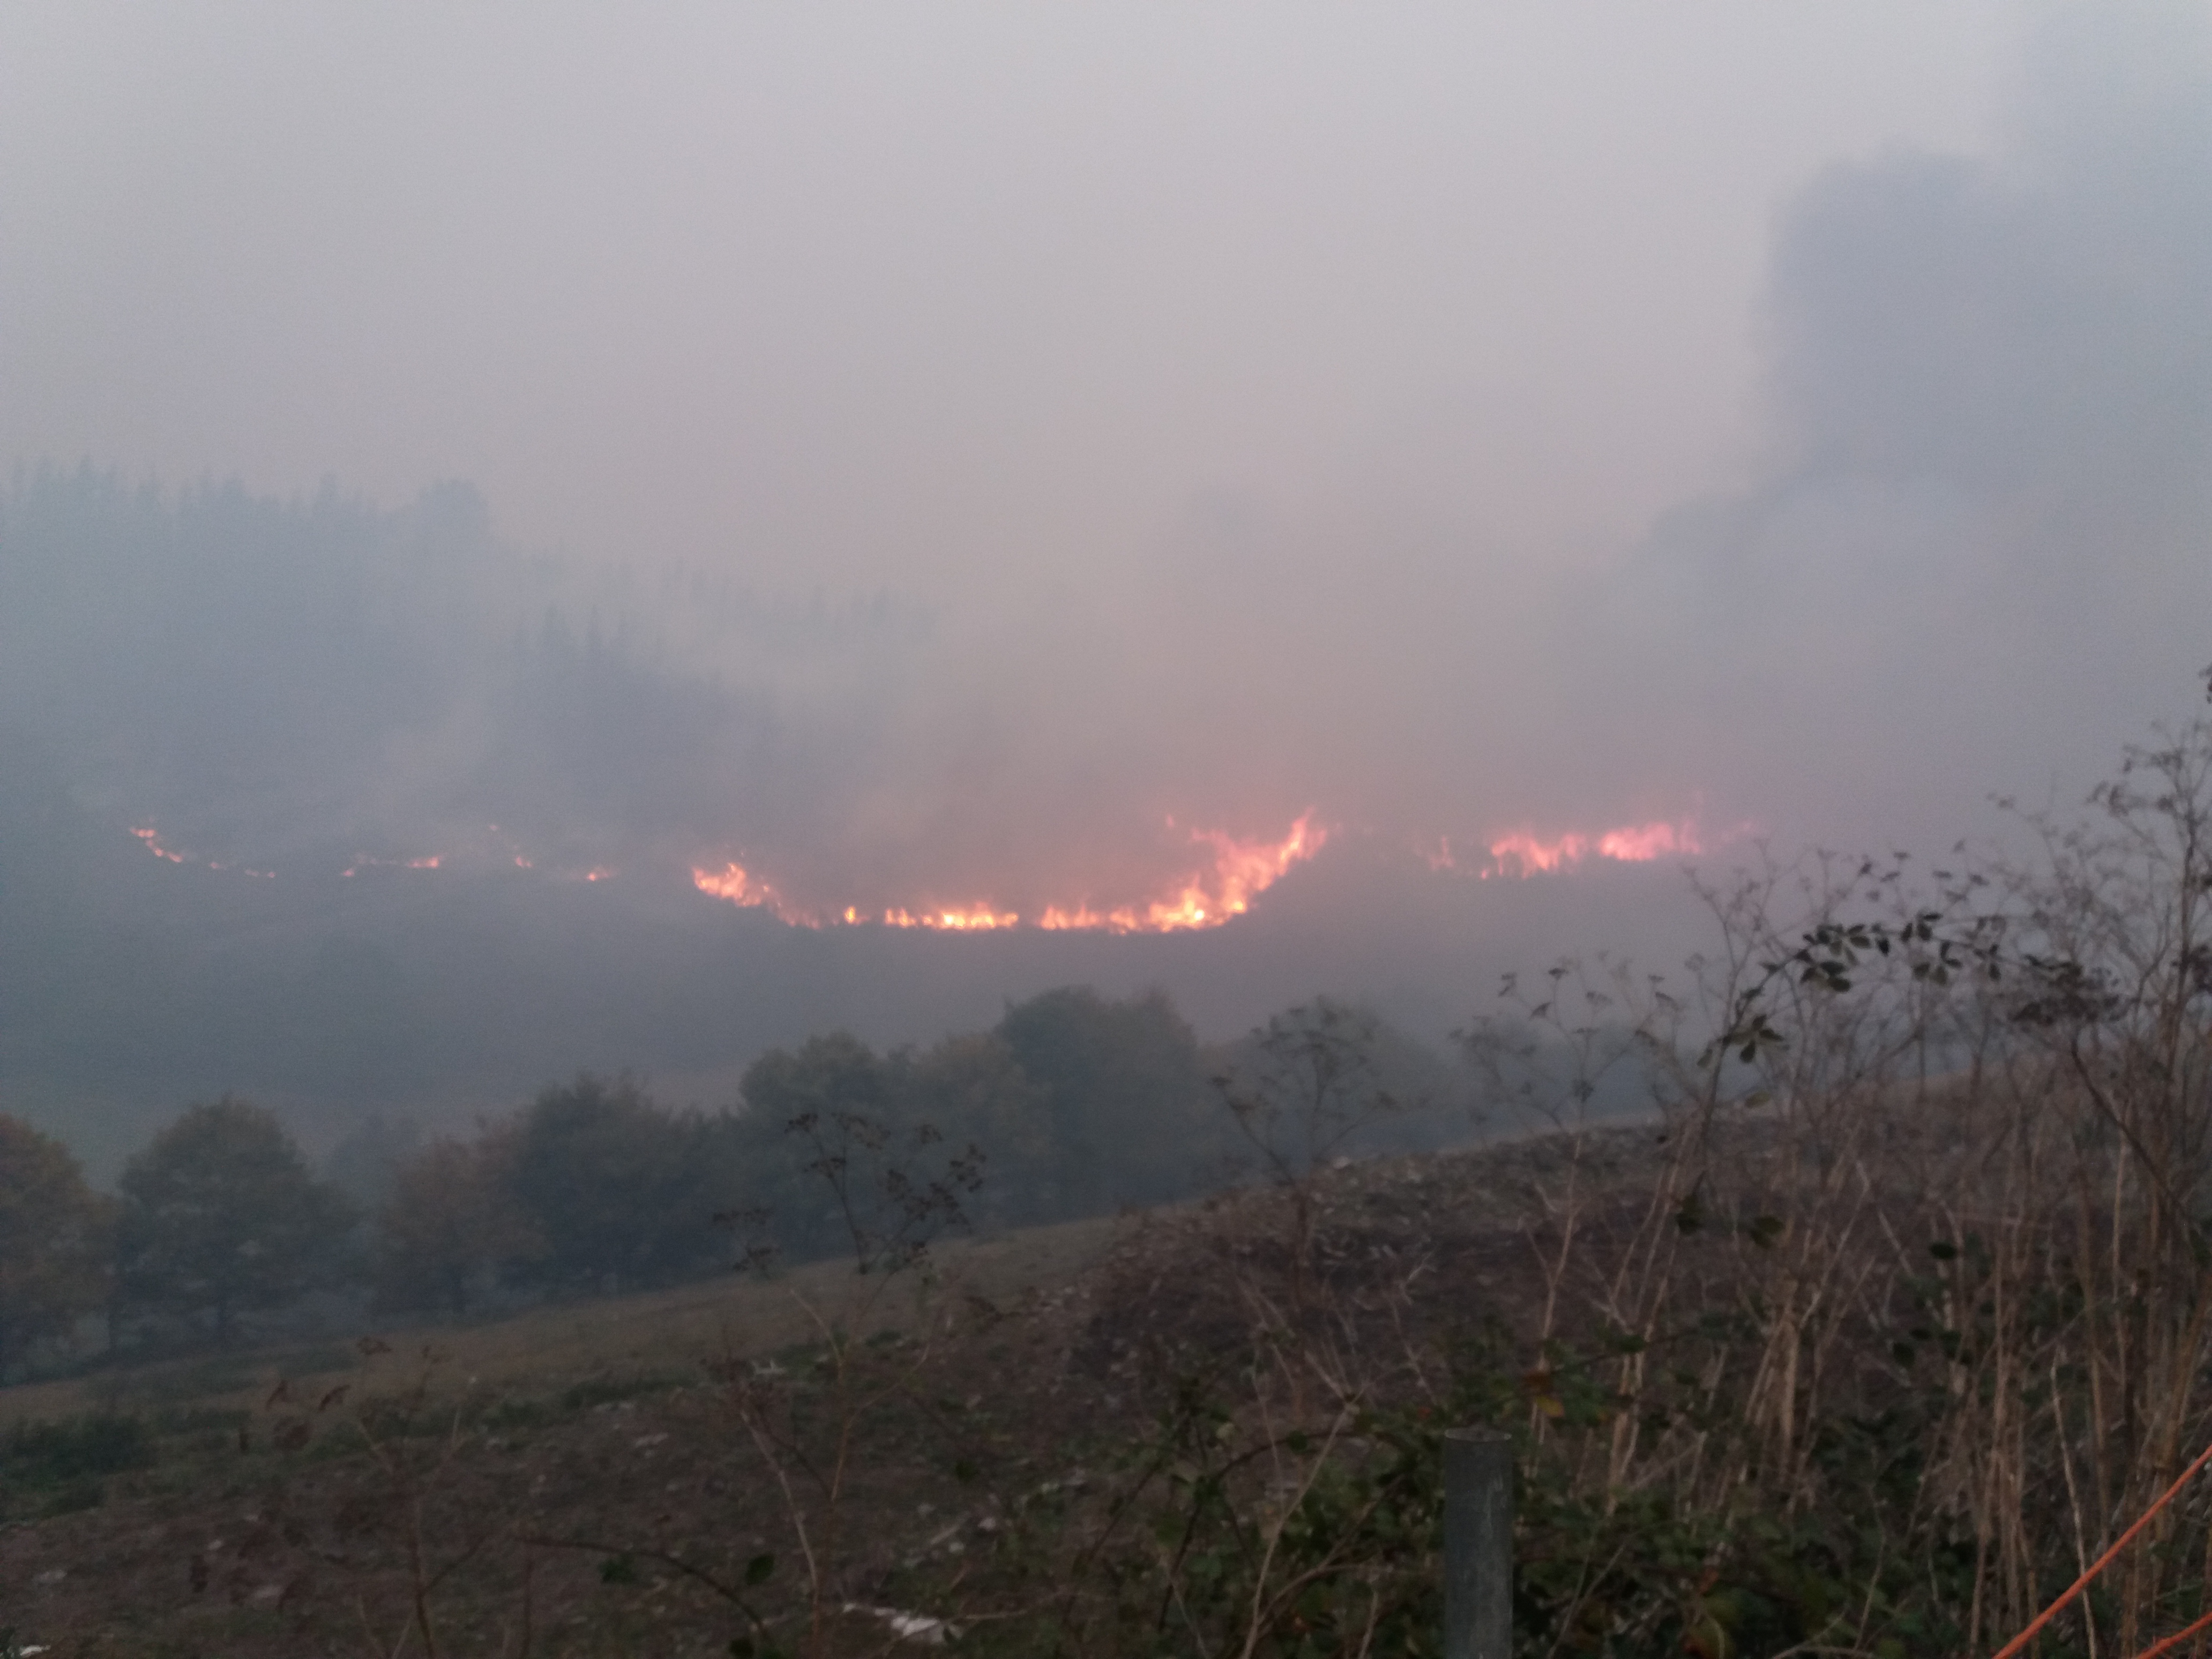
{"x":1477,"y":1544}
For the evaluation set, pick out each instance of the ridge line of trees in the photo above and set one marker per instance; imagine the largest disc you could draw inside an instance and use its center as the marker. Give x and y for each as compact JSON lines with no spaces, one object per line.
{"x":1074,"y":1105}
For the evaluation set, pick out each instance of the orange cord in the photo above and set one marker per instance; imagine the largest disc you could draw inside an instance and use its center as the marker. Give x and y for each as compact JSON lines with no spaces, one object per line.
{"x":2177,"y":1638}
{"x":2105,"y":1560}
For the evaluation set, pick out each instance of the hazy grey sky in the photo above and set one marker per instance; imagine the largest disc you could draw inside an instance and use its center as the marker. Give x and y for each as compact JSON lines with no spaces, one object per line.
{"x":944,"y":294}
{"x":1453,"y":418}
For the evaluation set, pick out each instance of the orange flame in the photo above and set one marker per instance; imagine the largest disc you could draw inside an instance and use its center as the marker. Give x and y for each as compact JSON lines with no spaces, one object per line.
{"x":733,"y":882}
{"x":1640,"y":843}
{"x":1523,"y":854}
{"x":1239,"y":872}
{"x":1242,"y":871}
{"x":979,"y":919}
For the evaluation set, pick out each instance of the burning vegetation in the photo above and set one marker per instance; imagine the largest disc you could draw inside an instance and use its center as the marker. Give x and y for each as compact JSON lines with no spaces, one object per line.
{"x":1884,"y":1312}
{"x":1233,"y":873}
{"x":1229,"y":874}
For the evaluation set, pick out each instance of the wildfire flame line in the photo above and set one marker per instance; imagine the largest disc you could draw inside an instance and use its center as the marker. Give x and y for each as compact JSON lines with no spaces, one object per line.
{"x":1235,"y":872}
{"x":1523,"y":853}
{"x":740,"y":886}
{"x":151,"y":839}
{"x":151,"y":836}
{"x":362,"y":862}
{"x":1239,"y":872}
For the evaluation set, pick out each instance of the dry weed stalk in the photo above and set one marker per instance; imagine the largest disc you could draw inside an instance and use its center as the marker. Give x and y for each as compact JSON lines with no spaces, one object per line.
{"x":1954,"y":1134}
{"x":891,"y":1214}
{"x":812,"y":1470}
{"x":412,"y":1477}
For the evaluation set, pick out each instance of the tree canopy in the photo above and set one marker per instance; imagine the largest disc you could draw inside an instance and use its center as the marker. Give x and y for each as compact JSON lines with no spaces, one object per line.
{"x":1132,"y":1118}
{"x":54,"y":1240}
{"x":221,"y":1216}
{"x":450,"y":1223}
{"x":618,"y":1190}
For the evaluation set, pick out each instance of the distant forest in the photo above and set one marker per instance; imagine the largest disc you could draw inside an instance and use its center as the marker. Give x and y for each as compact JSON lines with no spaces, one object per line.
{"x":322,"y":685}
{"x":1074,"y":1105}
{"x":317,"y":686}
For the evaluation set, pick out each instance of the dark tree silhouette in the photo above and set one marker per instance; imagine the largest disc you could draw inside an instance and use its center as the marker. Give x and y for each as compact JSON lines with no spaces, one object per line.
{"x":618,"y":1191}
{"x":54,"y":1240}
{"x":1125,"y":1089}
{"x":221,"y":1216}
{"x":449,"y":1222}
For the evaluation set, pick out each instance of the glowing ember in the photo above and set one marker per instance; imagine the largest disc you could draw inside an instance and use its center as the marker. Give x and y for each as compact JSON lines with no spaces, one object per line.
{"x":362,"y":861}
{"x":1523,"y":854}
{"x":149,"y":836}
{"x":1236,"y":872}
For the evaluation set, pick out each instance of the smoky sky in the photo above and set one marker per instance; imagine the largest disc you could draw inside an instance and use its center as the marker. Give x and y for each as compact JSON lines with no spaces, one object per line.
{"x":923,"y":454}
{"x":1976,"y":558}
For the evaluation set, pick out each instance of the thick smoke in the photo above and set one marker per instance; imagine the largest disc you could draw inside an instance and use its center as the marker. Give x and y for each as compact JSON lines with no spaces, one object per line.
{"x":1973,"y":559}
{"x":308,"y":685}
{"x":1058,"y":633}
{"x":1979,"y":558}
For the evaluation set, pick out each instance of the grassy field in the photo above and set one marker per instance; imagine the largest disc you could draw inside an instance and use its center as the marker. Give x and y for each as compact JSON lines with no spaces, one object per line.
{"x":568,"y":1480}
{"x":549,"y":1349}
{"x":554,"y":1468}
{"x":1209,"y":1431}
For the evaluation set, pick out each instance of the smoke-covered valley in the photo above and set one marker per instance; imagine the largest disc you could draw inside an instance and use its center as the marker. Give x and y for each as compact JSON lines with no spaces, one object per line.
{"x":1361,"y":538}
{"x":353,"y":811}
